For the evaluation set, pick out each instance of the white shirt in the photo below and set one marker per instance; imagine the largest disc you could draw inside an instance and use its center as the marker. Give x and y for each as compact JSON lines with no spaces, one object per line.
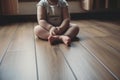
{"x":54,"y":12}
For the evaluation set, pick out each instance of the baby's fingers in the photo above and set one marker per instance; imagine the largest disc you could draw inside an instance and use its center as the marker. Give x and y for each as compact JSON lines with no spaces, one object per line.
{"x":52,"y":33}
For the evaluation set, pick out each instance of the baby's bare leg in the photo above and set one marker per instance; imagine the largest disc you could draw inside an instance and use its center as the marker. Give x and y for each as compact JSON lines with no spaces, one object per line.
{"x":41,"y":32}
{"x":65,"y":39}
{"x":72,"y":31}
{"x":70,"y":34}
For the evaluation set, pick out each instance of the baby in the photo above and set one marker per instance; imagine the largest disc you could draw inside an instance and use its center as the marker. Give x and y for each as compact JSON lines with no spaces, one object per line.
{"x":54,"y":22}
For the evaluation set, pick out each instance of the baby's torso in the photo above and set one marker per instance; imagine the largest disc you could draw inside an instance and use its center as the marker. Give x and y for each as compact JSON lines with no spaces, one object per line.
{"x":54,"y":14}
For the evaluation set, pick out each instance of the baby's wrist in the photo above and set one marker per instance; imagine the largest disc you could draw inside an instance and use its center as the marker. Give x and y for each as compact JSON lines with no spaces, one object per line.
{"x":59,"y":28}
{"x":50,"y":27}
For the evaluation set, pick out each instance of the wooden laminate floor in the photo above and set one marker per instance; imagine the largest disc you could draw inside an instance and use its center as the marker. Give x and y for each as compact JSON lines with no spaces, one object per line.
{"x":94,"y":56}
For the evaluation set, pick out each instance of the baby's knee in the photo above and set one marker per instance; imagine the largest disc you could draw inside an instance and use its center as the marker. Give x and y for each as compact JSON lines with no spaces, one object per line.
{"x":40,"y":32}
{"x":37,"y":30}
{"x":76,"y":28}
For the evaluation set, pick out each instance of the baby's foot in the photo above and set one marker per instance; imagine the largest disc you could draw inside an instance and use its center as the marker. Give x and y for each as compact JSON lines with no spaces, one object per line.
{"x":66,"y":40}
{"x":53,"y":39}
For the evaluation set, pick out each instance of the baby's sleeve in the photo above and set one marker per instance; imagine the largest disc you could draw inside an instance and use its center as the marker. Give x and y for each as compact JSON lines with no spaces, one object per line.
{"x":64,"y":3}
{"x":41,"y":3}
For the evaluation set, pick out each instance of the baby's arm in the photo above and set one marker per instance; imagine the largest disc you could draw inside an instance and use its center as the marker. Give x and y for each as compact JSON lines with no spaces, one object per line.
{"x":66,"y":20}
{"x":41,"y":17}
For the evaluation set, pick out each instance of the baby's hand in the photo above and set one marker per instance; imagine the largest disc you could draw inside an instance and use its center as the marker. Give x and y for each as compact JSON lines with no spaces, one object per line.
{"x":59,"y":31}
{"x":53,"y":31}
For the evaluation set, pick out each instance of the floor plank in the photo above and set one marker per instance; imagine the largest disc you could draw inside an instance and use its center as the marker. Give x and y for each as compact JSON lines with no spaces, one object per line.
{"x":51,"y":65}
{"x":113,"y":42}
{"x":91,"y":32}
{"x":99,"y":27}
{"x":84,"y":65}
{"x":104,"y":53}
{"x":109,"y":27}
{"x":19,"y":61}
{"x":104,"y":48}
{"x":108,"y":24}
{"x":6,"y":34}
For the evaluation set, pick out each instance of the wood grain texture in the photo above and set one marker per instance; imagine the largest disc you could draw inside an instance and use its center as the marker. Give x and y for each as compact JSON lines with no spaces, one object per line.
{"x":84,"y":65}
{"x":6,"y":34}
{"x":114,"y":42}
{"x":104,"y":48}
{"x":98,"y":27}
{"x":105,"y":54}
{"x":19,"y":61}
{"x":113,"y":29}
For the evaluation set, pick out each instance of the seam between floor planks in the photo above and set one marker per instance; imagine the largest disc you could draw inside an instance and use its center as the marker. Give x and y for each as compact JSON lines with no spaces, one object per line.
{"x":16,"y":46}
{"x":35,"y":53}
{"x":109,"y":70}
{"x":67,"y":63}
{"x":8,"y":44}
{"x":99,"y":59}
{"x":76,"y":64}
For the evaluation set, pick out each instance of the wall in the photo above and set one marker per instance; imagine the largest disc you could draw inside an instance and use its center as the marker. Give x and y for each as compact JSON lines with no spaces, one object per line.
{"x":9,"y":7}
{"x":28,"y":8}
